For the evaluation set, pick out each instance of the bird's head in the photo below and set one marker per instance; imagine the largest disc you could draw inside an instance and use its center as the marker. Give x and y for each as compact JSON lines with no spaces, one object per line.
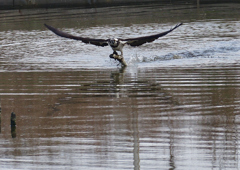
{"x":113,"y":42}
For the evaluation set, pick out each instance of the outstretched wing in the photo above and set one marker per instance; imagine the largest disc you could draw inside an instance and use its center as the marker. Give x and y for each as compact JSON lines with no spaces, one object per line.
{"x":141,"y":40}
{"x":98,"y":42}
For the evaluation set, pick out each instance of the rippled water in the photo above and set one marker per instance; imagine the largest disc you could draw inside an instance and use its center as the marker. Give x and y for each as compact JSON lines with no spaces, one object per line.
{"x":176,"y":105}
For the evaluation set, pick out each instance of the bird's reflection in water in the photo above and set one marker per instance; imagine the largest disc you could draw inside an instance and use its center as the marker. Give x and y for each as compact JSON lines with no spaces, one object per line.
{"x":117,"y":79}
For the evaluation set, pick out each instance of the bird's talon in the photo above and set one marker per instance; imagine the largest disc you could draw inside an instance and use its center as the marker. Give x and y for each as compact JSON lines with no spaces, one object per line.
{"x":115,"y":52}
{"x":119,"y":58}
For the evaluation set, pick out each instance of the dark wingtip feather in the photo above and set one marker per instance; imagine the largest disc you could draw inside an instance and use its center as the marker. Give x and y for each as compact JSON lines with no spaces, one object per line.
{"x":178,"y":25}
{"x":49,"y":27}
{"x":46,"y":25}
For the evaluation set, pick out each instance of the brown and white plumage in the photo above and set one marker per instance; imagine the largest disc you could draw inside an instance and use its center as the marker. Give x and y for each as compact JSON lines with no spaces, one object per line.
{"x":116,"y":44}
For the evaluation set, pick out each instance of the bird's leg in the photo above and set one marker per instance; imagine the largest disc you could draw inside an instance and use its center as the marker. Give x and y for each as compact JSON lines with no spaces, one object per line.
{"x":121,"y":59}
{"x":115,"y":52}
{"x":121,"y":56}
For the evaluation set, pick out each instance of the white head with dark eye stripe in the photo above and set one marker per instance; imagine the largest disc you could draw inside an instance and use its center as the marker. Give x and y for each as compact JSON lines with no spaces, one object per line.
{"x":113,"y":42}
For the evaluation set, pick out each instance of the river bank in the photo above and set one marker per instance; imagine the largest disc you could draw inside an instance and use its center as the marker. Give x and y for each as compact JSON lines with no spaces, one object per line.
{"x":16,"y":4}
{"x":8,"y":4}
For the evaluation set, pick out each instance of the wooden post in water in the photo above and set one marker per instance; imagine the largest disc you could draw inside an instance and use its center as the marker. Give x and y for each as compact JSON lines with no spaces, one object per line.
{"x":13,"y":125}
{"x":198,"y":3}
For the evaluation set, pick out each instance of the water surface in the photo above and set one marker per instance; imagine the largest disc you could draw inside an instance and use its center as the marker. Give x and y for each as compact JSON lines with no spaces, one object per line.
{"x":176,"y":105}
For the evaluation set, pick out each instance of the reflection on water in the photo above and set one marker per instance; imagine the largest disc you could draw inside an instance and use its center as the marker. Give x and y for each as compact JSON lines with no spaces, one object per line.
{"x":176,"y":106}
{"x":165,"y":118}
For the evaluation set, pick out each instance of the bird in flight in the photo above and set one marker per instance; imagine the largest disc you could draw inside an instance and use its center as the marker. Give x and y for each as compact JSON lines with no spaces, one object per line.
{"x":116,"y":44}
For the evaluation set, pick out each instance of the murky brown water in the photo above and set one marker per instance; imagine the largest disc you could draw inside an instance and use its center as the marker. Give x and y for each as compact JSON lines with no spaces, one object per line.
{"x":176,"y":106}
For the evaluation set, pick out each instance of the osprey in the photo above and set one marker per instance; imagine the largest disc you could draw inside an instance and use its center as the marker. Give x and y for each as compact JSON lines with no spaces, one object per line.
{"x":116,"y":44}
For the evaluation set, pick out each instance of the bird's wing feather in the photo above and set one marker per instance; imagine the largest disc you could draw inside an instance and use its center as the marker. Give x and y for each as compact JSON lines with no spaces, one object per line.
{"x":98,"y":42}
{"x":141,"y":40}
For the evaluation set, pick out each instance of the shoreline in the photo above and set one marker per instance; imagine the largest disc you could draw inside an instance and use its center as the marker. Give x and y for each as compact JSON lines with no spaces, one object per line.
{"x":24,"y":4}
